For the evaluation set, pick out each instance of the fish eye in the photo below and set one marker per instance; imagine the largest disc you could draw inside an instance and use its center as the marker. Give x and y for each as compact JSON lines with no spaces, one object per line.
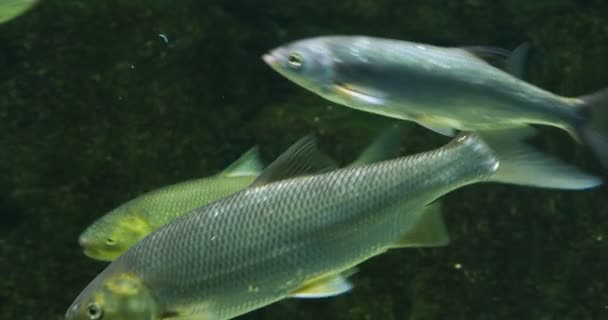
{"x":94,"y":311}
{"x":295,"y":60}
{"x":110,"y":241}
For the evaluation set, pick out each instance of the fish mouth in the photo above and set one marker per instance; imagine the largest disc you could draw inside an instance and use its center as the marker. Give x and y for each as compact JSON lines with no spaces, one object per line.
{"x":72,"y":311}
{"x":270,"y":59}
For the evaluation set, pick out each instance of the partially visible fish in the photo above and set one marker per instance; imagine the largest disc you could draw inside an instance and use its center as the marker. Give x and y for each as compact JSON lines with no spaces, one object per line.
{"x":118,"y":230}
{"x":443,"y":89}
{"x":10,"y":9}
{"x":301,"y":228}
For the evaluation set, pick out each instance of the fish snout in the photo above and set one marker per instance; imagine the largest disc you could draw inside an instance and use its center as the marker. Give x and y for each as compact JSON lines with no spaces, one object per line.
{"x":72,"y":312}
{"x":83,"y":242}
{"x":270,"y":59}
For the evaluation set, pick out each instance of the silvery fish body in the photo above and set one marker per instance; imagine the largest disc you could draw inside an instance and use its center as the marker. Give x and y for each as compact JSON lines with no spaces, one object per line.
{"x":424,"y":83}
{"x":441,"y":88}
{"x":279,"y":239}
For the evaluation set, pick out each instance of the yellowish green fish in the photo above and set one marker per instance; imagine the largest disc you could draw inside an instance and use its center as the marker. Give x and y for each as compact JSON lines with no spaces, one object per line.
{"x":121,"y":228}
{"x":10,"y":9}
{"x":441,"y":88}
{"x":300,"y":229}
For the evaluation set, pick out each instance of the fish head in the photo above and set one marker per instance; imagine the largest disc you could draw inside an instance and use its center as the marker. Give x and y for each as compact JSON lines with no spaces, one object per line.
{"x":114,"y":296}
{"x":114,"y":233}
{"x":308,"y":62}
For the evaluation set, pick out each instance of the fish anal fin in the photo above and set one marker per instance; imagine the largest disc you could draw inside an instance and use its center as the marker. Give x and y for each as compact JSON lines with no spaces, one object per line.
{"x":302,"y":158}
{"x":441,"y":130}
{"x":247,"y":164}
{"x":323,"y":287}
{"x":429,"y":231}
{"x":435,"y":126}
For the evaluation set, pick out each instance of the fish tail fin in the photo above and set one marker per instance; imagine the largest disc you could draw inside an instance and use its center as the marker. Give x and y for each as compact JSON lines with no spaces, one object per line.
{"x":594,"y":131}
{"x":521,"y":164}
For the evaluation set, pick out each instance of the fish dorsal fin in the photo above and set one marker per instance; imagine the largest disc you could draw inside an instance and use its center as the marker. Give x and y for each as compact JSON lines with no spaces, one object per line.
{"x":428,"y":231}
{"x":248,"y":164}
{"x":302,"y":158}
{"x":325,"y":286}
{"x":513,"y":62}
{"x":385,"y":145}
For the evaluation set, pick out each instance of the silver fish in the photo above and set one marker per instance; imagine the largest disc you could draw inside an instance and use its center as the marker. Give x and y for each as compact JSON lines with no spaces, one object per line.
{"x":301,"y":228}
{"x":440,"y":88}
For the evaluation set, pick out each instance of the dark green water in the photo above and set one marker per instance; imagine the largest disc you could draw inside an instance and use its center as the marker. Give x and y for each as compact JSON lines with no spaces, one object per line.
{"x":95,"y":108}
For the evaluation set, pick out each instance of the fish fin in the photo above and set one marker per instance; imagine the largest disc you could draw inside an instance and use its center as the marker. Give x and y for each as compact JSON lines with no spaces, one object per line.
{"x":594,"y":132}
{"x":359,"y":94}
{"x":384,"y":146}
{"x":326,"y":286}
{"x":175,"y":315}
{"x":521,"y":164}
{"x":429,"y":231}
{"x":516,"y":63}
{"x":199,"y":311}
{"x":513,"y":62}
{"x":247,"y":164}
{"x":446,"y":131}
{"x":302,"y":158}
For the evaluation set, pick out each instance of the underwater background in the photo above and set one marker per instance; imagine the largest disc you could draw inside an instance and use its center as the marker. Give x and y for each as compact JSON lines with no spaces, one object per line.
{"x":103,"y":100}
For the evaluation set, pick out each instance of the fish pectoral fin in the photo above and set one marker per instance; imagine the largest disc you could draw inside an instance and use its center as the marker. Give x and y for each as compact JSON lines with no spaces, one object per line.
{"x":429,"y":231}
{"x":247,"y":164}
{"x":323,"y":287}
{"x":187,"y":314}
{"x":302,"y":158}
{"x":446,"y":131}
{"x":359,"y":94}
{"x":513,"y":62}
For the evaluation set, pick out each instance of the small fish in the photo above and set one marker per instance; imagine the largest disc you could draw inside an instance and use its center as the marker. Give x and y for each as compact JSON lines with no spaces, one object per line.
{"x":115,"y":232}
{"x":10,"y":9}
{"x":118,"y":230}
{"x":443,"y":89}
{"x":302,"y":228}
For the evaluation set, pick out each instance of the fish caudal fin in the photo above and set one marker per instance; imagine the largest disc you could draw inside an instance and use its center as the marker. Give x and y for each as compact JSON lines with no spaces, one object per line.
{"x":595,"y":131}
{"x":523,"y":165}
